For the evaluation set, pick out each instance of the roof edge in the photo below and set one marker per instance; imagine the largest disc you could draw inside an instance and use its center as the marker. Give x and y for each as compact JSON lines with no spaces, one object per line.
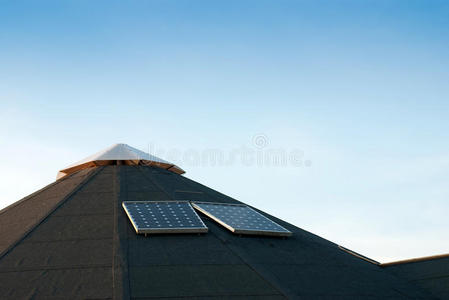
{"x":52,"y":209}
{"x":416,"y":259}
{"x":358,"y":255}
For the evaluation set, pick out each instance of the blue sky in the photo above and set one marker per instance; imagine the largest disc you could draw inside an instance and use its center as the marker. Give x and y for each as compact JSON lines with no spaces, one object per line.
{"x":361,"y":87}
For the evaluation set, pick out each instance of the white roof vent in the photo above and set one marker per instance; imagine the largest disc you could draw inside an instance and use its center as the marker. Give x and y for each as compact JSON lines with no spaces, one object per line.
{"x":120,"y":154}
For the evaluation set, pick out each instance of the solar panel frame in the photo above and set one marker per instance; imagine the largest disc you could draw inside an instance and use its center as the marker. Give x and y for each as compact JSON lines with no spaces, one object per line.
{"x":153,"y":230}
{"x":284,"y":232}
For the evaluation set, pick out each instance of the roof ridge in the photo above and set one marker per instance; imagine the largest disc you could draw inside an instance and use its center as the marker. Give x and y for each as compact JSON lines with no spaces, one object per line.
{"x":258,"y":273}
{"x":120,"y":265}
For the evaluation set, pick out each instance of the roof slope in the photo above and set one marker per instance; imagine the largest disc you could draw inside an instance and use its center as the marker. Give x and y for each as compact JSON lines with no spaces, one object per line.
{"x":18,"y":218}
{"x":431,"y":273}
{"x":87,"y":248}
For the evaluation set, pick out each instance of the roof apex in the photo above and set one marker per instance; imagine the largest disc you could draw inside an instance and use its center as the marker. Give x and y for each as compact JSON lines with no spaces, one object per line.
{"x":119,"y":154}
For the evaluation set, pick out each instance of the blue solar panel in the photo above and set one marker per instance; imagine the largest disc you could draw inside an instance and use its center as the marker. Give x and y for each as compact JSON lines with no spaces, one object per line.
{"x":240,"y":219}
{"x":163,"y":217}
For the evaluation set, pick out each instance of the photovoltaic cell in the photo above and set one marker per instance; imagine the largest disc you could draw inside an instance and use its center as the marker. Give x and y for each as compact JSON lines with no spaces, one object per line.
{"x":163,"y":217}
{"x":240,"y":219}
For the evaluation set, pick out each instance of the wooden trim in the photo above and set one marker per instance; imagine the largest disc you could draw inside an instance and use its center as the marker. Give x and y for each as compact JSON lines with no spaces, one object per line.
{"x":129,"y":162}
{"x":359,"y":255}
{"x":413,"y":260}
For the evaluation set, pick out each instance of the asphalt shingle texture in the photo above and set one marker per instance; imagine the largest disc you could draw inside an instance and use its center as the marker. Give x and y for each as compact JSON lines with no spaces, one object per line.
{"x":432,"y":275}
{"x":75,"y":242}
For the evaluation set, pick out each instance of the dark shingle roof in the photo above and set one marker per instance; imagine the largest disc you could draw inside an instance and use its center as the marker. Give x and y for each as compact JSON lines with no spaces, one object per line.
{"x":73,"y":240}
{"x":430,"y":273}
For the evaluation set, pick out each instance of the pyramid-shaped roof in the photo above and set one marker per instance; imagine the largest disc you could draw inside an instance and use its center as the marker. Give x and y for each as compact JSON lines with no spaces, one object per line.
{"x":73,"y":240}
{"x":122,"y":154}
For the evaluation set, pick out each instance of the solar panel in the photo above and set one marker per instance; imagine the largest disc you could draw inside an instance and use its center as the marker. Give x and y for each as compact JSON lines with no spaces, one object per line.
{"x":163,"y":217}
{"x":240,"y":219}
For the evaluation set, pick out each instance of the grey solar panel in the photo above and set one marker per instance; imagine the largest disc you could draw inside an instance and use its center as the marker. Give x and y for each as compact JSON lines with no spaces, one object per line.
{"x":163,"y":217}
{"x":240,"y":219}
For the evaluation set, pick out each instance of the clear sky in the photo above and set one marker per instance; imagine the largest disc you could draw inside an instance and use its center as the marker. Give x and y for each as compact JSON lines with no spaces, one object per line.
{"x":361,"y":87}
